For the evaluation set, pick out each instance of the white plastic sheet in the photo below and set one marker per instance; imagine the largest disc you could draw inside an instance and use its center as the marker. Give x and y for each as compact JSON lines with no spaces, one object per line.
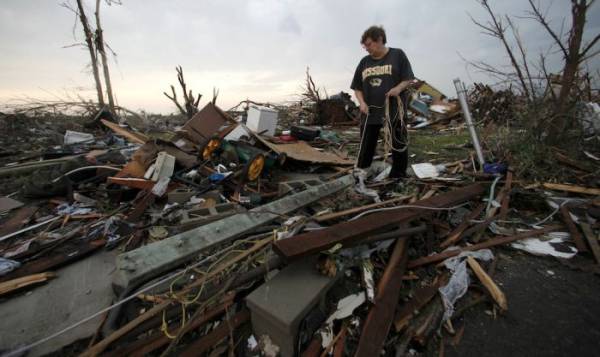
{"x":8,"y":265}
{"x":459,"y":281}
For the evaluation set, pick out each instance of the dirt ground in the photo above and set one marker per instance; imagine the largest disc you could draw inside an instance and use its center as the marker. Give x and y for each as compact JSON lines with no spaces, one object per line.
{"x":553,"y":310}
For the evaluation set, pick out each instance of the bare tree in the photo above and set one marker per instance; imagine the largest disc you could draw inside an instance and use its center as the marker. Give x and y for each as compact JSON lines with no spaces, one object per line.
{"x":101,"y":50}
{"x":96,"y":45}
{"x":215,"y":95}
{"x":495,"y":28}
{"x":190,"y":102}
{"x":573,"y":55}
{"x":559,"y":117}
{"x":310,"y":90}
{"x":89,"y":40}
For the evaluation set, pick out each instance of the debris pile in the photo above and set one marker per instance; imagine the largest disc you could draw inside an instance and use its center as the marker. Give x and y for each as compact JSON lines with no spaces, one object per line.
{"x":247,"y":235}
{"x":497,"y":106}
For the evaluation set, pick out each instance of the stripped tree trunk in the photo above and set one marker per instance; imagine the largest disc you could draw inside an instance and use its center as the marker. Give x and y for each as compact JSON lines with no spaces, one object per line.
{"x":90,"y":44}
{"x":100,"y":47}
{"x":572,"y":60}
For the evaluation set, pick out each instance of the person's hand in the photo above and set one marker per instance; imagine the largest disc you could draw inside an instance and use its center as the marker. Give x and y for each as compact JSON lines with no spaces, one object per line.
{"x":364,"y":108}
{"x":394,"y":92}
{"x":415,"y":83}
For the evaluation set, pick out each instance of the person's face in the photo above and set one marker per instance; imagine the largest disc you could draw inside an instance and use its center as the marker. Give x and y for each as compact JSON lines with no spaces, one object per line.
{"x":375,"y":48}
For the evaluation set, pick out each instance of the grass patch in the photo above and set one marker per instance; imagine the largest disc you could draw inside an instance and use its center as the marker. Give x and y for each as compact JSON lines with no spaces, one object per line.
{"x":433,"y":146}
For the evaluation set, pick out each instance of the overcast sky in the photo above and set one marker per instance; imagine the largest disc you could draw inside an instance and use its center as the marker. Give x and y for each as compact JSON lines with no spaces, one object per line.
{"x":257,"y":49}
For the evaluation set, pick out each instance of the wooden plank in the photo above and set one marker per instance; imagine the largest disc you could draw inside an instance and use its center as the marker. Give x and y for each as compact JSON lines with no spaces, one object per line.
{"x":488,"y":283}
{"x":145,"y":346}
{"x":568,"y":161}
{"x":456,"y":234}
{"x":137,"y":138}
{"x":379,"y":320}
{"x":334,"y":215}
{"x":302,"y":151}
{"x":96,"y":349}
{"x":488,"y":244}
{"x":204,"y":124}
{"x":506,"y":200}
{"x":16,"y":284}
{"x":54,"y":261}
{"x":17,"y":220}
{"x":348,"y":232}
{"x":592,"y":241}
{"x":572,"y":188}
{"x":577,"y":238}
{"x":338,"y":350}
{"x":420,"y":298}
{"x":151,"y":260}
{"x":201,"y":345}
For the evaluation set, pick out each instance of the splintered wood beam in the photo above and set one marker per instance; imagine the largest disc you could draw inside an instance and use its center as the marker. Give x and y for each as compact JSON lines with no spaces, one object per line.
{"x":489,"y":284}
{"x":456,"y":234}
{"x":380,"y":317}
{"x":592,"y":241}
{"x":577,"y":238}
{"x":487,"y":244}
{"x":572,"y":188}
{"x":16,"y":284}
{"x":134,"y":137}
{"x":353,"y":231}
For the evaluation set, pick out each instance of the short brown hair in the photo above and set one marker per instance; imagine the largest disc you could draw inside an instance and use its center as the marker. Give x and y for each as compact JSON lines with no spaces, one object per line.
{"x":374,"y":33}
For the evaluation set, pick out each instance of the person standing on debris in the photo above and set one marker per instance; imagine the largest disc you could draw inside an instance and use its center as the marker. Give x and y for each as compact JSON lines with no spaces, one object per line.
{"x":380,"y":81}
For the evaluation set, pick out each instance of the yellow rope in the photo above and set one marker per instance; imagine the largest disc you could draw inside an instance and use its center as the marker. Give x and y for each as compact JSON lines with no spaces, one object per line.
{"x":185,"y":302}
{"x":391,"y":141}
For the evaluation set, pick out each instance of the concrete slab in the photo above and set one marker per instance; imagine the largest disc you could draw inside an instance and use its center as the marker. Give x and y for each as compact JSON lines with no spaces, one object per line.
{"x":80,"y":290}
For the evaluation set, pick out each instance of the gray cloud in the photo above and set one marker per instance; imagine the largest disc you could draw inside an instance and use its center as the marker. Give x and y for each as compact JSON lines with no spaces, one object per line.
{"x":249,"y":49}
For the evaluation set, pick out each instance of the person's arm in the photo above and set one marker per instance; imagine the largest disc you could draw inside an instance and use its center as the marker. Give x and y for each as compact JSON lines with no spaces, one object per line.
{"x":364,"y":108}
{"x":395,"y":91}
{"x":357,"y":86}
{"x":407,"y":78}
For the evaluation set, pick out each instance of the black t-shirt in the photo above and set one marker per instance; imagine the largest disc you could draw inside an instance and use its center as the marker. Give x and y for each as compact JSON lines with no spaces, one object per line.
{"x":375,"y":77}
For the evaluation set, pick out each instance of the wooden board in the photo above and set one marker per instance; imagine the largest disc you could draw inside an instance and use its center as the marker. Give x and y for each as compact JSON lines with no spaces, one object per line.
{"x":379,"y":320}
{"x":572,"y":188}
{"x":577,"y":238}
{"x":488,"y":283}
{"x":301,"y":151}
{"x":592,"y":241}
{"x":348,"y":232}
{"x":19,"y":283}
{"x":434,"y":258}
{"x":137,"y":138}
{"x":17,"y":220}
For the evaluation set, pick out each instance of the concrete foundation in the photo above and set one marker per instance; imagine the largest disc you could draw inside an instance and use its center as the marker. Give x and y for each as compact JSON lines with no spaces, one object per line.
{"x":80,"y":290}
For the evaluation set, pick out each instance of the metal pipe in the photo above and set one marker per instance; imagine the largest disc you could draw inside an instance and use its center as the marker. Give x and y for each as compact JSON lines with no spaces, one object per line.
{"x":461,"y":91}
